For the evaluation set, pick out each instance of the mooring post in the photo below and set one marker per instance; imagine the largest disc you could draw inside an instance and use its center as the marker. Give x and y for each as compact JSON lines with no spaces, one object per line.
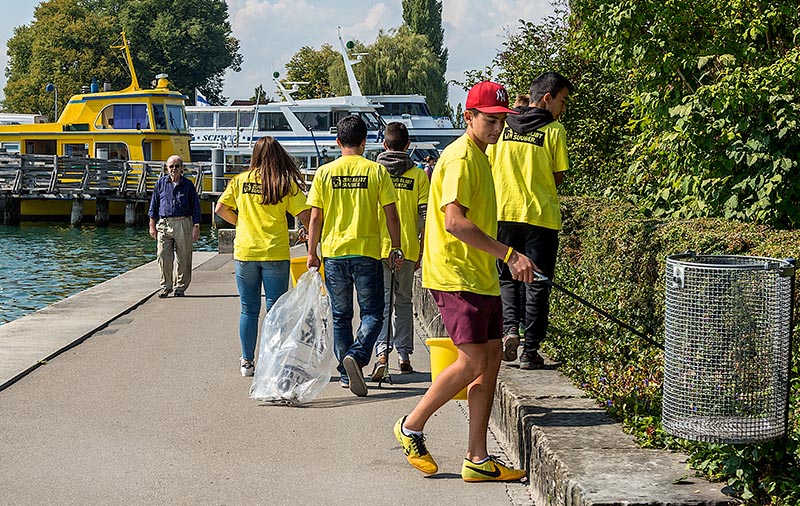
{"x":76,"y":215}
{"x":101,"y":214}
{"x":10,"y":209}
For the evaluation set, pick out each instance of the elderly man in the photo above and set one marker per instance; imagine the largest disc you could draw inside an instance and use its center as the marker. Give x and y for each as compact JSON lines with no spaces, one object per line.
{"x":175,"y":224}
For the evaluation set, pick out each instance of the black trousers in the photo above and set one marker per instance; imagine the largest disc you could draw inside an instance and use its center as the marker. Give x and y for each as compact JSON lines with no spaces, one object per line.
{"x":527,"y":305}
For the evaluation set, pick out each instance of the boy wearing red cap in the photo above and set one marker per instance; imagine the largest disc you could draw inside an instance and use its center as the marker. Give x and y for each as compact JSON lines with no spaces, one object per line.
{"x":459,"y":269}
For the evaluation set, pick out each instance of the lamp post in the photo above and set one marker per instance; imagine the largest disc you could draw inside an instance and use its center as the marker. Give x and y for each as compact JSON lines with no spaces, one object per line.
{"x":52,"y":88}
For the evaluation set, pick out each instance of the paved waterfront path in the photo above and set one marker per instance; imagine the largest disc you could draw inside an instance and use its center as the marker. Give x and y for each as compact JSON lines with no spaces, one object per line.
{"x":150,"y":409}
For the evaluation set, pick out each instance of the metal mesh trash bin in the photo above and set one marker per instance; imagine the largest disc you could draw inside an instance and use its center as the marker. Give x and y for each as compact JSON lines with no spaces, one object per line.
{"x":727,"y":347}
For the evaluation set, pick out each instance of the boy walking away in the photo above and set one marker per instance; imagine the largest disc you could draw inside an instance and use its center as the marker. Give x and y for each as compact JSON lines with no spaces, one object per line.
{"x":411,"y":186}
{"x":529,"y":162}
{"x":459,"y":269}
{"x":345,"y":199}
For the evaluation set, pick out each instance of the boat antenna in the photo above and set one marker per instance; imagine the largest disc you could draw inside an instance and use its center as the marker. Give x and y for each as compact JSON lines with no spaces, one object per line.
{"x":255,"y":115}
{"x":134,"y":81}
{"x":355,"y":90}
{"x":287,"y":94}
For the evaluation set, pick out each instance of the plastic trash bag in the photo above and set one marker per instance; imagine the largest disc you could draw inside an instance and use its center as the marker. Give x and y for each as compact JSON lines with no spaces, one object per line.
{"x":296,"y":357}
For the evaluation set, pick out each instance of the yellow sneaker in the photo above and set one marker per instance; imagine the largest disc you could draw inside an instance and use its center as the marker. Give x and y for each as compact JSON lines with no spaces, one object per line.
{"x":414,"y":448}
{"x":491,"y":470}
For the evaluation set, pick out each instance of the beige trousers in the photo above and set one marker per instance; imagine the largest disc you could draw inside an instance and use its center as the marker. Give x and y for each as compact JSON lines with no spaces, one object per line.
{"x":175,"y":242}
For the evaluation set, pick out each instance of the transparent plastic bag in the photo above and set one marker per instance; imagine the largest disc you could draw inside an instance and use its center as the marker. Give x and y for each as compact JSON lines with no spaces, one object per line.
{"x":295,"y":358}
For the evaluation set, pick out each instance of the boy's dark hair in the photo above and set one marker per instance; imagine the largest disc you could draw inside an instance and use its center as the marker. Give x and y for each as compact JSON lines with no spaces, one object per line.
{"x":351,"y":131}
{"x":396,"y":136}
{"x":549,"y":82}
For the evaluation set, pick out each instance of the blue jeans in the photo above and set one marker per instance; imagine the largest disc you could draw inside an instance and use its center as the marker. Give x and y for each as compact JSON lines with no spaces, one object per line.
{"x":366,"y":274}
{"x":250,"y":276}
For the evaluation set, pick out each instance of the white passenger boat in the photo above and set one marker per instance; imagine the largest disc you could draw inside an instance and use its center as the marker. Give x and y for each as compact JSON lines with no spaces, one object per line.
{"x":412,"y":110}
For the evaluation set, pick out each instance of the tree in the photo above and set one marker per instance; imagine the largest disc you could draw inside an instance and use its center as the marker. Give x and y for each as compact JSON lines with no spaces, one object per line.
{"x":401,"y":62}
{"x":69,"y":42}
{"x":424,"y":17}
{"x":312,"y":66}
{"x":69,"y":46}
{"x":714,"y":110}
{"x":191,"y":40}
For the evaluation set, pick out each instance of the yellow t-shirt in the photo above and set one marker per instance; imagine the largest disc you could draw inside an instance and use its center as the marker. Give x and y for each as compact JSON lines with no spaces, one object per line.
{"x":462,"y":174}
{"x":412,"y":191}
{"x":262,"y":233}
{"x":349,"y":190}
{"x":523,"y":167}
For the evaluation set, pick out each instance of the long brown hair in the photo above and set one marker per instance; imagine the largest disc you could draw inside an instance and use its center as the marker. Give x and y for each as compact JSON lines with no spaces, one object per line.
{"x":276,"y":169}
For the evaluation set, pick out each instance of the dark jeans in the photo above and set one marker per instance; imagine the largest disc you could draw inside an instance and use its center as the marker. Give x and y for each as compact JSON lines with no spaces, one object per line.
{"x":527,"y":303}
{"x":341,"y":275}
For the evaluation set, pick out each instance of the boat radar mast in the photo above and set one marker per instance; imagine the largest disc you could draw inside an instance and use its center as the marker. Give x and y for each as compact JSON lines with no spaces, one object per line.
{"x":134,"y":86}
{"x":287,"y":94}
{"x":355,"y":90}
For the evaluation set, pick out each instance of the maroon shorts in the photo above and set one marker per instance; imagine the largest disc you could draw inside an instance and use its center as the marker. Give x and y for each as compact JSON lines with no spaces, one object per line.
{"x":470,"y":318}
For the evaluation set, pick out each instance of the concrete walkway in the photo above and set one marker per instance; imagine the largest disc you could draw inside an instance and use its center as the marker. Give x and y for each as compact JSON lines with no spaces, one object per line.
{"x":151,"y":409}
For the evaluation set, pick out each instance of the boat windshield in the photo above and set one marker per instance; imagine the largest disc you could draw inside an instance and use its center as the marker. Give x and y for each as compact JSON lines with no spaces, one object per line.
{"x":410,"y":108}
{"x":373,"y":121}
{"x":124,"y":116}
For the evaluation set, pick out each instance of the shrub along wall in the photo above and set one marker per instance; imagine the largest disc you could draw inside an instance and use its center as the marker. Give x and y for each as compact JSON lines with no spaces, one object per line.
{"x":614,"y":257}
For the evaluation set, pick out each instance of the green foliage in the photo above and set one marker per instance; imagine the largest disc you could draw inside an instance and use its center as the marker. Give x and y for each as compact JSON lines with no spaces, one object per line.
{"x":69,"y":42}
{"x":614,"y":256}
{"x":313,"y":66}
{"x":713,"y":111}
{"x":424,"y":17}
{"x":399,"y":62}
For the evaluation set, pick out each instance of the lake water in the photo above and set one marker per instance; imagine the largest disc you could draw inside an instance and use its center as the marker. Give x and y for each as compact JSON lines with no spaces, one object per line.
{"x":42,"y":263}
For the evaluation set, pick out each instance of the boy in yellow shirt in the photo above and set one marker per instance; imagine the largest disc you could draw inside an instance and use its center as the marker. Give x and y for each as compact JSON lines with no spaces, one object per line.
{"x":345,"y":199}
{"x":411,"y":185}
{"x":529,"y":162}
{"x":459,"y":269}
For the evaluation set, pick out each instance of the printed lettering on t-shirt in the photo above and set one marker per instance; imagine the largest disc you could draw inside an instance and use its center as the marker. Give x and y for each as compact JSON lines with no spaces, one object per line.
{"x":536,"y":137}
{"x":349,"y":182}
{"x":251,"y":188}
{"x":403,"y":183}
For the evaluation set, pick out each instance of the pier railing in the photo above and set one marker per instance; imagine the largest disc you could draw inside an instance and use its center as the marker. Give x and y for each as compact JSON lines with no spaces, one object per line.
{"x":50,"y":176}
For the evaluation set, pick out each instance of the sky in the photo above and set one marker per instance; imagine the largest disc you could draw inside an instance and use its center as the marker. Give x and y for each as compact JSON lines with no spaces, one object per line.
{"x":272,"y":31}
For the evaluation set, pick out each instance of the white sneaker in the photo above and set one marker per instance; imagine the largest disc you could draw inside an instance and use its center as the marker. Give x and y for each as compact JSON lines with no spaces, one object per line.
{"x":248,"y":368}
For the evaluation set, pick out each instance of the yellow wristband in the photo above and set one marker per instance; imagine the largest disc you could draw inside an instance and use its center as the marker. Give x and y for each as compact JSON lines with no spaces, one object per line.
{"x":508,"y":254}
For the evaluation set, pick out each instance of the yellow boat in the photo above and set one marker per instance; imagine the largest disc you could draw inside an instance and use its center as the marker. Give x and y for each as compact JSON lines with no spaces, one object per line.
{"x":132,"y":124}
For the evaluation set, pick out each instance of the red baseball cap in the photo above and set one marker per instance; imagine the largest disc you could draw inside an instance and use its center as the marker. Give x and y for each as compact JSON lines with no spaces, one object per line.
{"x":489,"y":97}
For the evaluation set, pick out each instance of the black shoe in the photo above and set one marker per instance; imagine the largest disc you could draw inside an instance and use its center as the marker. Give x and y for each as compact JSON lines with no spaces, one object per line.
{"x":531,"y":361}
{"x":178,"y":293}
{"x":163,"y":293}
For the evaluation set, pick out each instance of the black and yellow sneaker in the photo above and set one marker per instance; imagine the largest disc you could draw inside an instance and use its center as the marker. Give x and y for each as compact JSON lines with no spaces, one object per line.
{"x":415,"y":450}
{"x":493,"y":469}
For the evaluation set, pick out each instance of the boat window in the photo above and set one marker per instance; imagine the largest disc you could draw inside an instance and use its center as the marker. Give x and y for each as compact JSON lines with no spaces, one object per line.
{"x":176,"y":119}
{"x":315,"y":120}
{"x":124,"y":116}
{"x":273,"y":121}
{"x":76,"y":150}
{"x":10,"y":147}
{"x":200,"y":119}
{"x":228,"y":119}
{"x":111,"y":150}
{"x":159,"y":119}
{"x":337,"y":117}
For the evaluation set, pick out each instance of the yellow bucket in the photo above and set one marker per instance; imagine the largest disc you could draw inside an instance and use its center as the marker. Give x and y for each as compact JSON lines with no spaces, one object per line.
{"x":298,"y":267}
{"x":443,"y":353}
